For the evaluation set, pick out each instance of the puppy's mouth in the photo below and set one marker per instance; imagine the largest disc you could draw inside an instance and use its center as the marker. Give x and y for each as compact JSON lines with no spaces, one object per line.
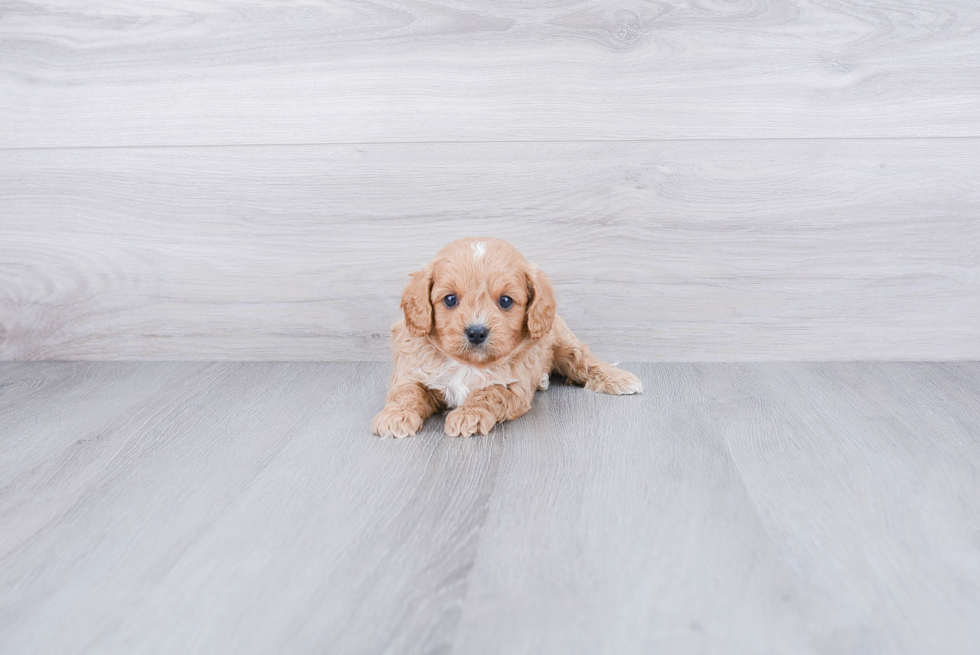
{"x":477,"y":350}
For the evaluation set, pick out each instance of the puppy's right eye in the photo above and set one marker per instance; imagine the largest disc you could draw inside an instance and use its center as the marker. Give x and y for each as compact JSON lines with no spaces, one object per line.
{"x":450,"y":300}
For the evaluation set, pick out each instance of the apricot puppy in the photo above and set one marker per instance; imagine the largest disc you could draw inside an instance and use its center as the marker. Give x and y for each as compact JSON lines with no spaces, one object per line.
{"x":480,"y":336}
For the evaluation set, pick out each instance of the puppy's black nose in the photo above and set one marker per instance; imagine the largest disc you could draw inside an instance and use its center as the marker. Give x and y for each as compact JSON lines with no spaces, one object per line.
{"x":477,"y":334}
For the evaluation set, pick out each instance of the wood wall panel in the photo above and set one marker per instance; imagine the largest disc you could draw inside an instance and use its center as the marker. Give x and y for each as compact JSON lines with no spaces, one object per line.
{"x":732,"y":250}
{"x":203,"y":72}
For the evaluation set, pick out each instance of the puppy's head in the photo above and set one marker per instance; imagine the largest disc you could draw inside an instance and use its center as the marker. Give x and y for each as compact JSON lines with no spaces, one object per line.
{"x":478,"y":300}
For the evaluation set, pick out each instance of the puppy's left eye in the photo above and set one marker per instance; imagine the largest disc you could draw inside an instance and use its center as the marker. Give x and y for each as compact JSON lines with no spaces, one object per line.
{"x":506,"y":302}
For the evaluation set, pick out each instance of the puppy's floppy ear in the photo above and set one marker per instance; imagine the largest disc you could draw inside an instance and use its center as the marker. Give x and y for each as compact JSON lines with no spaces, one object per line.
{"x":417,"y":304}
{"x":541,"y":303}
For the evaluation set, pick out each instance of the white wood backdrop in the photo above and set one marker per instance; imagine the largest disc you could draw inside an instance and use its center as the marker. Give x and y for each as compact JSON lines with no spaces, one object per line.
{"x":704,"y":180}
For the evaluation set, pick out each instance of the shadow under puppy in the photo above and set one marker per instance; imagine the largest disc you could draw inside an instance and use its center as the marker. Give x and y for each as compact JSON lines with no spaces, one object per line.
{"x":480,"y":336}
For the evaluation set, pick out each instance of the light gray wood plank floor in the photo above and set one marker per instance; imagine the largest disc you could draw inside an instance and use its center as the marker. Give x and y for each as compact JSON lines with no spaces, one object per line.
{"x":244,"y":507}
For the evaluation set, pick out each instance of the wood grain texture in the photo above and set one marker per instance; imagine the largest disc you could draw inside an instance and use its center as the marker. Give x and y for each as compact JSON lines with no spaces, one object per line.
{"x":781,"y":497}
{"x":880,"y":423}
{"x":750,"y":508}
{"x":711,"y":250}
{"x":204,"y":72}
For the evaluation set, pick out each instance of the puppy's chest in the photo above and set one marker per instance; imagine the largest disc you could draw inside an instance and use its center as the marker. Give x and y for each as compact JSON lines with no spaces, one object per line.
{"x":457,"y":381}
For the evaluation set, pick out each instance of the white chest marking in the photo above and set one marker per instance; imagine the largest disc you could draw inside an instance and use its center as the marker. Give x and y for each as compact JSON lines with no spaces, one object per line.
{"x":479,"y":249}
{"x":457,"y":381}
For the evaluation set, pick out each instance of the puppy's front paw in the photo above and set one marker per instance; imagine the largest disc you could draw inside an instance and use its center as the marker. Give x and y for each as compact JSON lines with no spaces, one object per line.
{"x":616,"y":381}
{"x":467,"y":421}
{"x":396,"y":422}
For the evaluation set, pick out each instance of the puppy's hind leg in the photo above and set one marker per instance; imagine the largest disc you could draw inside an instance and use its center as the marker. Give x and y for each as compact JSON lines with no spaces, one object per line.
{"x":575,"y":361}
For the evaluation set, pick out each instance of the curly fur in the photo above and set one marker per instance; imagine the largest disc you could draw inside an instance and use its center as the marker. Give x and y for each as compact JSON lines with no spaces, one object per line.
{"x":437,"y":368}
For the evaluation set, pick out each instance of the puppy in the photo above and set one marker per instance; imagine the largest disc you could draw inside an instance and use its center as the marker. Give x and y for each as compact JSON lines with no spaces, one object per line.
{"x":479,"y":337}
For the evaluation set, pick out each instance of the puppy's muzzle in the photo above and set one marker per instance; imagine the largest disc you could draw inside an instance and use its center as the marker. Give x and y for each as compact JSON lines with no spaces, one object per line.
{"x":477,"y":334}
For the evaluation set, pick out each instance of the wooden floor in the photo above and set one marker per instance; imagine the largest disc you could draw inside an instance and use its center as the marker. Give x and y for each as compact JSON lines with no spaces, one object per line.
{"x":245,"y":507}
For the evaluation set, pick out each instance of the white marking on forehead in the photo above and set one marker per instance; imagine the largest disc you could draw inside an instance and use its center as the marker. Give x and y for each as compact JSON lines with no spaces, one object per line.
{"x":479,"y":249}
